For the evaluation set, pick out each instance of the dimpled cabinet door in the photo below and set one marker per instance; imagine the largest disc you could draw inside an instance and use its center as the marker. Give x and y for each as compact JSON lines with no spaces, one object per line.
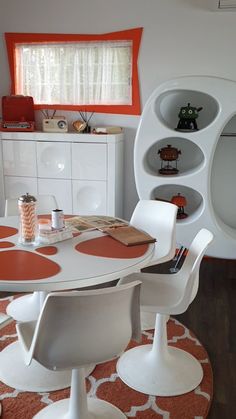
{"x":16,"y":186}
{"x":89,"y":161}
{"x":19,"y":158}
{"x":89,"y":197}
{"x":54,"y":160}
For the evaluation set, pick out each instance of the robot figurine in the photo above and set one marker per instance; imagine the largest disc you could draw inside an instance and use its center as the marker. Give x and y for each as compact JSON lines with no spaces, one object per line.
{"x":187,"y":118}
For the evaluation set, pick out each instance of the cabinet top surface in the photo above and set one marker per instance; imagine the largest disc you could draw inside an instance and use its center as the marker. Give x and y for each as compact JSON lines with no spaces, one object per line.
{"x":68,"y":136}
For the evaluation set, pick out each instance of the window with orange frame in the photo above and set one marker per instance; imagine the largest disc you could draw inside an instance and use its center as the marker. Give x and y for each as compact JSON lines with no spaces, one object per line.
{"x":98,"y":73}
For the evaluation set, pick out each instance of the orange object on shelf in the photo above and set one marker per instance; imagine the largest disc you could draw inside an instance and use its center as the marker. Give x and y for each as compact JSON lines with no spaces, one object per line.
{"x":169,"y":154}
{"x":181,"y":202}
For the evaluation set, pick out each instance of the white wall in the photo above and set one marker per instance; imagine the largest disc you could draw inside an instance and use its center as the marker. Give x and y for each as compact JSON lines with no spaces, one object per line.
{"x":180,"y":37}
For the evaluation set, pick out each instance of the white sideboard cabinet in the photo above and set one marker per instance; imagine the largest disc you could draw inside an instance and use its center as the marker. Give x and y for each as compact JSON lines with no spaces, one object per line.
{"x":83,"y":171}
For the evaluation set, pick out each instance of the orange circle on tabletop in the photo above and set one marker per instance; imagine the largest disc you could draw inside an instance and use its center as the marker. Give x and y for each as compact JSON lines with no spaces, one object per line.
{"x":108,"y":247}
{"x":20,"y":265}
{"x":47,"y":250}
{"x":6,"y":231}
{"x":4,"y":245}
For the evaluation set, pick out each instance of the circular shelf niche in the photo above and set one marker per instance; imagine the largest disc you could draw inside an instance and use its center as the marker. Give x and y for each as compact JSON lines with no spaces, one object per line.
{"x":194,"y":199}
{"x":190,"y":159}
{"x":168,"y":104}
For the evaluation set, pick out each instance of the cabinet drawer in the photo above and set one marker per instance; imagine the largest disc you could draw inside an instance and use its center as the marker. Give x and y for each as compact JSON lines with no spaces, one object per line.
{"x":89,"y":161}
{"x":89,"y":197}
{"x":17,"y":186}
{"x":19,"y":158}
{"x":54,"y":160}
{"x":61,"y":189}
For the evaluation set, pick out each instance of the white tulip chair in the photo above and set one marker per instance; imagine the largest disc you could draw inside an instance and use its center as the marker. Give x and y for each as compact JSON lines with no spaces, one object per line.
{"x":75,"y":329}
{"x":158,"y":218}
{"x":159,"y":369}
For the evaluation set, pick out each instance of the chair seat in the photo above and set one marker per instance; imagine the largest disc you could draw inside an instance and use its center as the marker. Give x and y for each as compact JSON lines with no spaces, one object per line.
{"x":160,"y":291}
{"x":163,"y":253}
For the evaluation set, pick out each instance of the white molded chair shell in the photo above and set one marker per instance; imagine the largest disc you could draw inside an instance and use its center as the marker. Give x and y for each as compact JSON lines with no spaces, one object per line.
{"x":172,"y":294}
{"x":159,"y":369}
{"x":158,"y":218}
{"x":45,"y":204}
{"x":79,"y":327}
{"x":101,"y":316}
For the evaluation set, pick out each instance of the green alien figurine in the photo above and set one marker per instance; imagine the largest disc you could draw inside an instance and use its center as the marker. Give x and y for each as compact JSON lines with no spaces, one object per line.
{"x":187,"y":118}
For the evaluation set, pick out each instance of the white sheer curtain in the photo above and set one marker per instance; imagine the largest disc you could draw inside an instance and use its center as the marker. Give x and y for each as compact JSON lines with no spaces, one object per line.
{"x":83,"y":73}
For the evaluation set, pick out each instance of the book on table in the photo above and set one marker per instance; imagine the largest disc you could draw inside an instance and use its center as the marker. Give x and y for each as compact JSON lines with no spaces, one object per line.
{"x":129,"y":235}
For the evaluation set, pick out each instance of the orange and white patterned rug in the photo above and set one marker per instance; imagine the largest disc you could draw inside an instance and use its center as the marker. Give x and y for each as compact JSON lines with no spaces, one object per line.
{"x":104,"y":383}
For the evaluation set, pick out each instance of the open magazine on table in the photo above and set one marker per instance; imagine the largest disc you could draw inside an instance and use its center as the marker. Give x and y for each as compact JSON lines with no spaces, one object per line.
{"x":92,"y":222}
{"x":118,"y":229}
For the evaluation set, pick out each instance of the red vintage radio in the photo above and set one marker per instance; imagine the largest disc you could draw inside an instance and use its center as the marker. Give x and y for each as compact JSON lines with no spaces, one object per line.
{"x":17,"y":113}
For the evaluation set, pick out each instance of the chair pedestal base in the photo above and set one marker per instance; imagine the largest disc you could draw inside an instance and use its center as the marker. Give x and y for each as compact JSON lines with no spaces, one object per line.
{"x":177,"y":372}
{"x":97,"y":408}
{"x":35,"y":377}
{"x":25,"y":308}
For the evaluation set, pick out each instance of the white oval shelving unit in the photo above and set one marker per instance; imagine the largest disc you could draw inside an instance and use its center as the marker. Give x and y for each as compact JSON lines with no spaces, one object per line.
{"x":207,"y":171}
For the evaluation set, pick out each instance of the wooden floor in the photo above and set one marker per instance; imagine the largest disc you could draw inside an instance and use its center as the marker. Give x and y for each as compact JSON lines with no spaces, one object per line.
{"x":212,"y":317}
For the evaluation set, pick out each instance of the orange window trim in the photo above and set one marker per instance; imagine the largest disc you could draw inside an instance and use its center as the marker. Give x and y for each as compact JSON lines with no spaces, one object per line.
{"x":134,"y":35}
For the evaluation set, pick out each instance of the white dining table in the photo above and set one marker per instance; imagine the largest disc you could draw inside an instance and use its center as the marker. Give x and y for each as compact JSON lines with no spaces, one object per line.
{"x":89,"y":259}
